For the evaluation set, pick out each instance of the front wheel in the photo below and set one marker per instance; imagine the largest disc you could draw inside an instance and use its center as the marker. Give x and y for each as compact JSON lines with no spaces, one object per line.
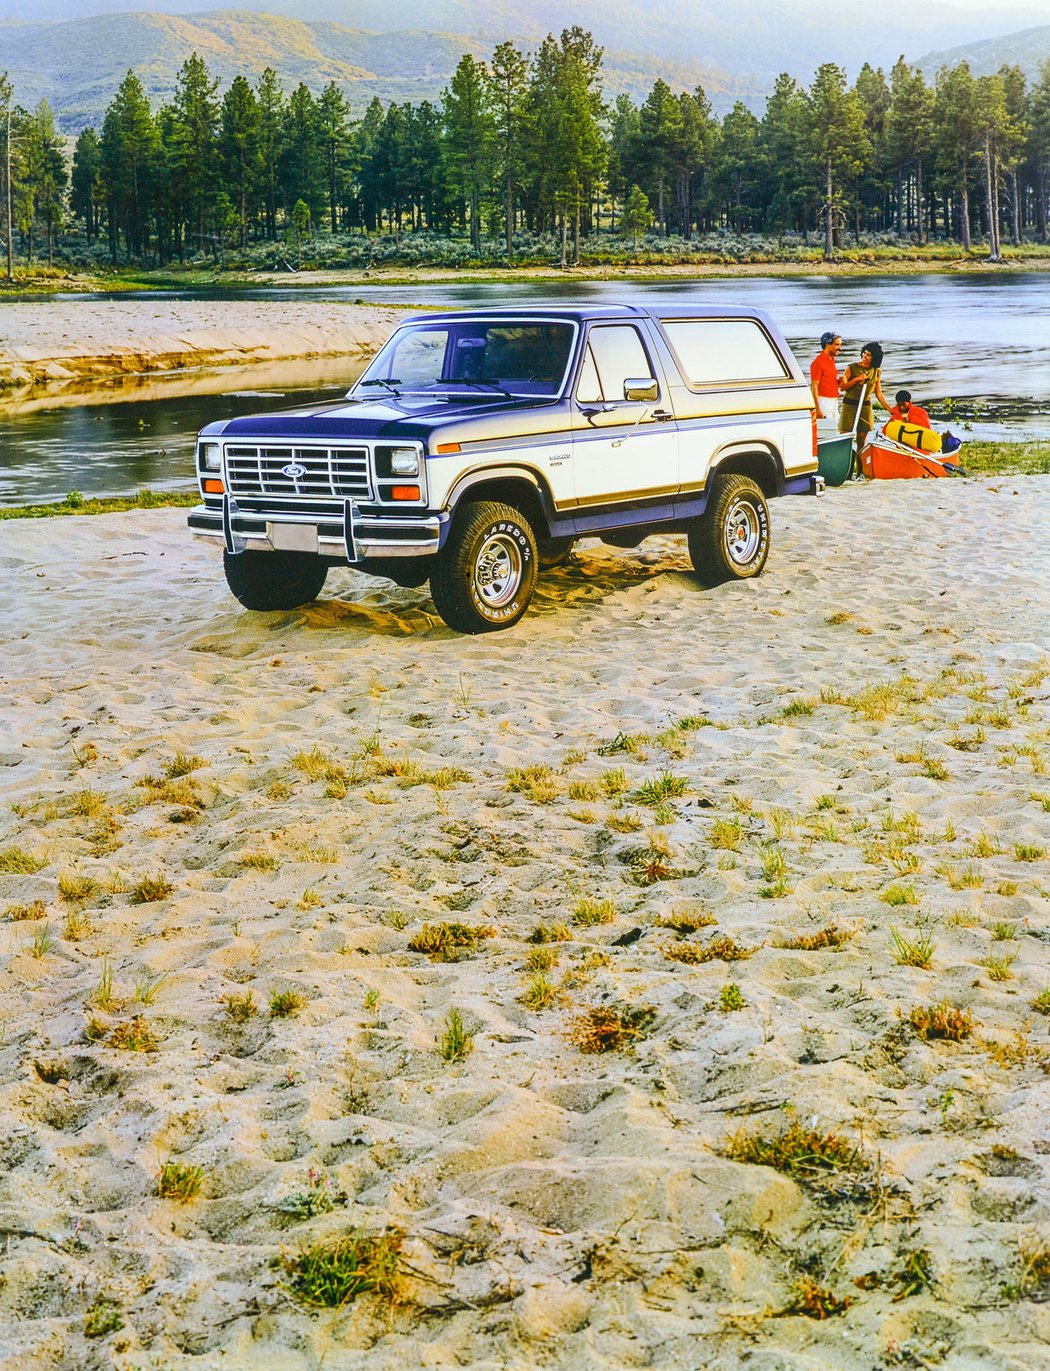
{"x":484,"y":576}
{"x":730,"y":540}
{"x":274,"y":580}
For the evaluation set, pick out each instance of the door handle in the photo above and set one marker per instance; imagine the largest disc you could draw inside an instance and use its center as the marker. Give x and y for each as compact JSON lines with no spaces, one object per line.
{"x":662,"y":416}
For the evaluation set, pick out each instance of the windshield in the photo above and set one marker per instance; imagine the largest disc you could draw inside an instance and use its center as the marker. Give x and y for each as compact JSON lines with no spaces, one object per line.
{"x":473,"y":356}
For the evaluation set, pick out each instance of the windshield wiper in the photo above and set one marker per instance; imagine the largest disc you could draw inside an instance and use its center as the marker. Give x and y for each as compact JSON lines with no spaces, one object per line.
{"x":378,"y":381}
{"x":481,"y":381}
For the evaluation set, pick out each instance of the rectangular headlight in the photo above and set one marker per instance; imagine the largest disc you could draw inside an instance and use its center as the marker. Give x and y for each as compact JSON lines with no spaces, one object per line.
{"x":209,"y":456}
{"x":404,"y":461}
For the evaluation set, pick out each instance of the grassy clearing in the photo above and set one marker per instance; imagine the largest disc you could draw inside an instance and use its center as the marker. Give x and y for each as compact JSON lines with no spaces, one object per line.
{"x":75,"y":503}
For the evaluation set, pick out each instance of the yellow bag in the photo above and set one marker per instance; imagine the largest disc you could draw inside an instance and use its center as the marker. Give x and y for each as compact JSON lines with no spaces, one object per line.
{"x":913,"y":435}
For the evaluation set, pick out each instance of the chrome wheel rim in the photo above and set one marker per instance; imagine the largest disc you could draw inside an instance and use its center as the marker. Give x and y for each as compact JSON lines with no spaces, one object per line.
{"x":743,"y":532}
{"x":498,"y":571}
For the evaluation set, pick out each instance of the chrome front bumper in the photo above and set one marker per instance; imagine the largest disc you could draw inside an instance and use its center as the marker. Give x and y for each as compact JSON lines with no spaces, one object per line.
{"x":354,"y":537}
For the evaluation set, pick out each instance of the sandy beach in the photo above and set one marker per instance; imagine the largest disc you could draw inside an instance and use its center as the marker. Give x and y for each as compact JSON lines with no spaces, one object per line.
{"x":70,"y":345}
{"x":781,"y":847}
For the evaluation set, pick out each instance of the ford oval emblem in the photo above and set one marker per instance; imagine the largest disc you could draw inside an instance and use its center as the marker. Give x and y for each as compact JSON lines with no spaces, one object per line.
{"x":293,"y":471}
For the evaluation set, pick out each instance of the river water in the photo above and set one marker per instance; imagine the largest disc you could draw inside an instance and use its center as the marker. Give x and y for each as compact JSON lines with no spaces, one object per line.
{"x":975,"y":350}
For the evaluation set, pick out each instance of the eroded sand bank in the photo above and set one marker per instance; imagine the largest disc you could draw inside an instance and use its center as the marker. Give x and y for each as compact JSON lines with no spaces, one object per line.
{"x":324,"y":782}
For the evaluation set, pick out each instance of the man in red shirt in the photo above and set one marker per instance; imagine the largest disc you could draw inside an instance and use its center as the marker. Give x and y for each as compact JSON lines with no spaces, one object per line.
{"x":907,"y":412}
{"x":824,"y":377}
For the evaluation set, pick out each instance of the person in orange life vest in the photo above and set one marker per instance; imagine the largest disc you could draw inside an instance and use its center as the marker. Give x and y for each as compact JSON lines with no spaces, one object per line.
{"x":824,"y":377}
{"x":907,"y":412}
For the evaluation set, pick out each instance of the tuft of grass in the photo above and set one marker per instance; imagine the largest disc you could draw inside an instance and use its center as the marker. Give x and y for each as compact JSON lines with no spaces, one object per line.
{"x":727,"y":835}
{"x":683,"y":922}
{"x":75,"y":889}
{"x":1034,"y":1280}
{"x":541,"y":959}
{"x":624,"y":823}
{"x":285,"y":1003}
{"x":896,"y":895}
{"x":88,"y":804}
{"x":151,"y":889}
{"x":76,"y":926}
{"x":36,"y":909}
{"x":310,"y":899}
{"x":1041,"y":1003}
{"x":831,"y":935}
{"x":731,"y":998}
{"x":103,"y":1317}
{"x":330,"y":1274}
{"x":103,"y":996}
{"x":16,"y":861}
{"x":537,"y":783}
{"x":540,"y":992}
{"x":611,"y":1028}
{"x":179,"y":1181}
{"x":1006,"y":888}
{"x":449,"y":942}
{"x":1029,"y":852}
{"x":623,"y":742}
{"x":588,"y":912}
{"x":1003,"y":931}
{"x":945,"y":1021}
{"x":258,"y":861}
{"x":808,"y":1155}
{"x":986,"y":845}
{"x":775,"y":871}
{"x":182,"y":764}
{"x":1000,"y":968}
{"x":912,"y":951}
{"x":584,"y":790}
{"x":551,"y":933}
{"x":456,"y":1040}
{"x":931,"y":766}
{"x":722,"y":949}
{"x":657,"y":789}
{"x":651,"y":863}
{"x":133,"y":1035}
{"x":240,"y":1008}
{"x":42,"y":942}
{"x":614,"y":782}
{"x":147,"y":986}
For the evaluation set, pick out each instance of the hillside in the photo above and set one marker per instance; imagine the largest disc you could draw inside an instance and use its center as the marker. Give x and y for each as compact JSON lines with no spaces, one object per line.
{"x":77,"y":64}
{"x":1027,"y":50}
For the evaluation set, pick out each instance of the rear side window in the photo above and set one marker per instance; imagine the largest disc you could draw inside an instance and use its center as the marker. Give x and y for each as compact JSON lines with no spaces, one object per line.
{"x":718,"y":351}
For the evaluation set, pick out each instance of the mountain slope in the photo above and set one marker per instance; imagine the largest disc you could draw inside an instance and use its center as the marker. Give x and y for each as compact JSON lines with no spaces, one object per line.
{"x":1027,"y":50}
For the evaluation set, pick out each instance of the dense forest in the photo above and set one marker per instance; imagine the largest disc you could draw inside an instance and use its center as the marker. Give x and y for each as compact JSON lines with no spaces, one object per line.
{"x":522,"y":158}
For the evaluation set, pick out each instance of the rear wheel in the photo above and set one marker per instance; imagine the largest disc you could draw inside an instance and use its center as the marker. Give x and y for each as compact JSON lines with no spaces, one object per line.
{"x":274,"y":580}
{"x":730,"y":540}
{"x":484,"y":576}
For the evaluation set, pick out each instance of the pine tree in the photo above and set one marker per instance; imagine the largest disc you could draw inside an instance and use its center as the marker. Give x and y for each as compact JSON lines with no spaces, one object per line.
{"x":86,"y":196}
{"x":838,"y":143}
{"x":194,"y":141}
{"x":507,"y":82}
{"x":470,"y":133}
{"x":129,"y":149}
{"x":239,"y":151}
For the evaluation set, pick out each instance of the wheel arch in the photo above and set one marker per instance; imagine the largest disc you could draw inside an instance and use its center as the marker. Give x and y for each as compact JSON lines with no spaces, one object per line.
{"x":518,"y":487}
{"x":762,"y":464}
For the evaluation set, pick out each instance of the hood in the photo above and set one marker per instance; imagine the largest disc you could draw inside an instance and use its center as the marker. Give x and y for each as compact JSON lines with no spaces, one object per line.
{"x":391,"y":417}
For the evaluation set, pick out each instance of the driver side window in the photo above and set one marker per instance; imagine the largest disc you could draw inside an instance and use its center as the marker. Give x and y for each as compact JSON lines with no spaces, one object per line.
{"x":614,"y":354}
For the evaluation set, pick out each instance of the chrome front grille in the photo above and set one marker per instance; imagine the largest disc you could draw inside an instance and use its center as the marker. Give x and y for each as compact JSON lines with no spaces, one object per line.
{"x":326,"y":471}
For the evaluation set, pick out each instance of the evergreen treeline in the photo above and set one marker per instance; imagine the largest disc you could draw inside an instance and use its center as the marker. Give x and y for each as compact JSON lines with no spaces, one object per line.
{"x":526,"y":145}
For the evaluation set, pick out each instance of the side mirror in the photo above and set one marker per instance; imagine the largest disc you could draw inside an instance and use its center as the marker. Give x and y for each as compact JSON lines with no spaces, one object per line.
{"x":642,"y":389}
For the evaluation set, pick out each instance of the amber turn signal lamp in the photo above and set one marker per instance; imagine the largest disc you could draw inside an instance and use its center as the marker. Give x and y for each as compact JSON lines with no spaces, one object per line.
{"x":213,"y":487}
{"x":448,"y":447}
{"x":404,"y":492}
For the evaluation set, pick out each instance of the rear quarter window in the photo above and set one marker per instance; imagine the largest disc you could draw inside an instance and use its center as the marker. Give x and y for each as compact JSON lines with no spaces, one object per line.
{"x":722,"y":351}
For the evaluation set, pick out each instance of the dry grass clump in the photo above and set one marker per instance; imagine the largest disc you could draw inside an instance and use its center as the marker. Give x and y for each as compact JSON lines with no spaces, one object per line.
{"x":831,"y":935}
{"x":1041,"y":1003}
{"x":151,"y":889}
{"x":1034,"y":1281}
{"x":942,"y":1020}
{"x":182,"y":792}
{"x":652,"y":863}
{"x":540,"y":992}
{"x":814,"y":1301}
{"x":588,"y":912}
{"x":240,"y":1008}
{"x":182,"y":764}
{"x":105,"y":1316}
{"x":331,"y":1274}
{"x":657,"y":789}
{"x":722,"y":949}
{"x":449,"y":942}
{"x":16,"y":861}
{"x":258,"y":861}
{"x":179,"y":1181}
{"x":682,"y":922}
{"x":456,"y":1041}
{"x":285,"y":1003}
{"x":809,"y":1155}
{"x":551,"y":933}
{"x":611,"y":1028}
{"x":916,"y":951}
{"x":536,"y":782}
{"x":75,"y":888}
{"x":36,"y":909}
{"x":133,"y":1035}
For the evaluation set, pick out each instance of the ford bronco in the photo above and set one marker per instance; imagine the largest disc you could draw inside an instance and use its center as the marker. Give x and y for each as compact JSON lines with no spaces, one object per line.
{"x":478,"y":446}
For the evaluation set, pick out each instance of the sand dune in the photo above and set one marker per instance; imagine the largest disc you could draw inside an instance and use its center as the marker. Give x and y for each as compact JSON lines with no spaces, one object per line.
{"x":854,"y":744}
